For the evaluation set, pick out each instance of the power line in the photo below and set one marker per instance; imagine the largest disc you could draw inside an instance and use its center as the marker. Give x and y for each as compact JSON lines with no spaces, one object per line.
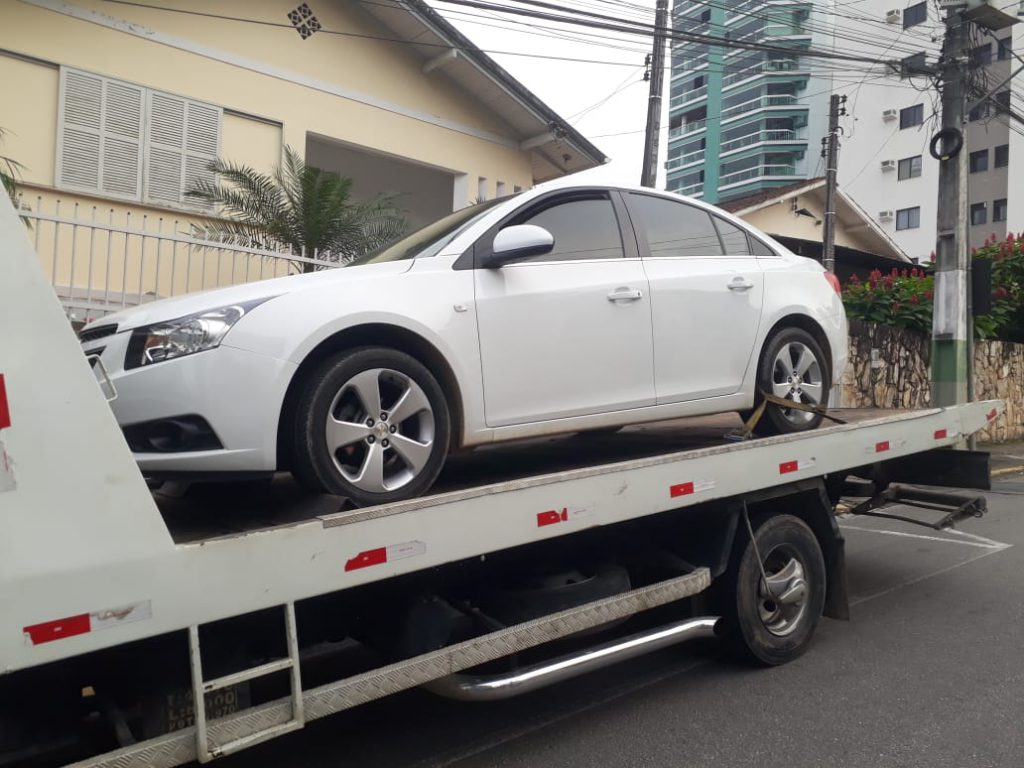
{"x":378,"y":38}
{"x":601,"y":21}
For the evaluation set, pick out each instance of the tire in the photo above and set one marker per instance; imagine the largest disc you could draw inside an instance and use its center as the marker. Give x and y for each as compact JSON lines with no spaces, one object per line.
{"x":811,"y":385}
{"x":341,"y":446}
{"x":763,"y":630}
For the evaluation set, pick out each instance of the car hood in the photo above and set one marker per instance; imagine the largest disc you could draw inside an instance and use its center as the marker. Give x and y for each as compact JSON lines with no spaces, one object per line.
{"x":179,"y":306}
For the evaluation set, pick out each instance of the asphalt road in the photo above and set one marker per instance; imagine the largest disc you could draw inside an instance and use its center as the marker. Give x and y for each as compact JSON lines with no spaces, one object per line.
{"x":929,"y":672}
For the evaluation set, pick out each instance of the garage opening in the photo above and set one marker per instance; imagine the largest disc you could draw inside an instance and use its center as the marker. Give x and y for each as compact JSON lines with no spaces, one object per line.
{"x":425,"y":193}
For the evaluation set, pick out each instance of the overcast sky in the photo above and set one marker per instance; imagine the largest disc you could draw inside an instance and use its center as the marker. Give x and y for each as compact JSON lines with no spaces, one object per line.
{"x":572,"y":88}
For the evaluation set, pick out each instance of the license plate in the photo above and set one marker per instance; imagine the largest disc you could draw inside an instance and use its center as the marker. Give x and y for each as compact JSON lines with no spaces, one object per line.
{"x":178,"y":711}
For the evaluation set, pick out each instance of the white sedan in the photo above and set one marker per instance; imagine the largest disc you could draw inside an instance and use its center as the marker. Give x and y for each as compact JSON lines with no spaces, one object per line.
{"x":561,"y":309}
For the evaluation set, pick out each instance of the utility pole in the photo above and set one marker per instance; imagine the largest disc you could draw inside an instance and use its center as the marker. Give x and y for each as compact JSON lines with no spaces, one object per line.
{"x":649,"y":175}
{"x":950,"y":322}
{"x":836,"y":109}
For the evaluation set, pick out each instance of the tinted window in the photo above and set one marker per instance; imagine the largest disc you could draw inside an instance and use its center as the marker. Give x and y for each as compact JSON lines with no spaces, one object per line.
{"x":760,"y":249}
{"x":908,"y":218}
{"x":914,"y":15}
{"x":911,"y":116}
{"x":583,"y":229}
{"x":999,"y":210}
{"x":733,"y":238}
{"x":979,"y":161}
{"x":1002,"y":156}
{"x":910,"y":167}
{"x":979,"y":213}
{"x":675,"y":229}
{"x":913,"y":65}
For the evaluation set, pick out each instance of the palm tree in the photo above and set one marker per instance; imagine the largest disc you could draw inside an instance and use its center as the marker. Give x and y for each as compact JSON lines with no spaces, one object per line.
{"x":306,"y":209}
{"x":10,"y":170}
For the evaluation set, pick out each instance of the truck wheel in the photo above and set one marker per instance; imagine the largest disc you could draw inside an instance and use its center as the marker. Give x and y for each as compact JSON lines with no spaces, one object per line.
{"x":792,"y":367}
{"x":773,"y":623}
{"x":372,"y":425}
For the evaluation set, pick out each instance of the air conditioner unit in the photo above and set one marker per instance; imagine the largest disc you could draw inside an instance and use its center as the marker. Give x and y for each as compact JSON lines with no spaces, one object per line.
{"x":890,"y":114}
{"x":888,"y":165}
{"x":894,"y":16}
{"x":886,"y":215}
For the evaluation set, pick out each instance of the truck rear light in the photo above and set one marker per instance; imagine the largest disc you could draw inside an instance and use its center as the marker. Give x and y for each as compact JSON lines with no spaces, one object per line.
{"x":834,"y":282}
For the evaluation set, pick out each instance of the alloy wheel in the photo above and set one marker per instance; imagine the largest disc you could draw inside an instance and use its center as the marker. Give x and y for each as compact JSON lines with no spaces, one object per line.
{"x":797,"y":376}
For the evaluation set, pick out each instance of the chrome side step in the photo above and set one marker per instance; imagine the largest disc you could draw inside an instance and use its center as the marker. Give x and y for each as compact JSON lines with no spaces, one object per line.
{"x":495,"y":687}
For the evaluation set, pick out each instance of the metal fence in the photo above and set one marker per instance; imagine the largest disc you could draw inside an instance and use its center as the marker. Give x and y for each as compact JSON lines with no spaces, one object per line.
{"x":102,"y":259}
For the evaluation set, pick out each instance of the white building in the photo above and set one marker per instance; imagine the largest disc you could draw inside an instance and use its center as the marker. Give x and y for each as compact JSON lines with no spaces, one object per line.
{"x":885,"y":163}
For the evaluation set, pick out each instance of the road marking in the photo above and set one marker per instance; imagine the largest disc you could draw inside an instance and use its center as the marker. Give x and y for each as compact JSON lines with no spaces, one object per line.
{"x":981,"y":541}
{"x":926,"y":576}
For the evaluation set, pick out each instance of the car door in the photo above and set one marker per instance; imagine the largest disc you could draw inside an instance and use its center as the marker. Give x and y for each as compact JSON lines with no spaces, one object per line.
{"x":706,"y":295}
{"x":567,"y":333}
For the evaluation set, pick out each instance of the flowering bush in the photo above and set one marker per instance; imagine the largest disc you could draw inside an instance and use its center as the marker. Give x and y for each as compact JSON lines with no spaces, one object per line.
{"x":905,"y":298}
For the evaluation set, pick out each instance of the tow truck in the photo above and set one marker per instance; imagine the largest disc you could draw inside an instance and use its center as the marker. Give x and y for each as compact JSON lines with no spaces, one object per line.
{"x":142,"y":628}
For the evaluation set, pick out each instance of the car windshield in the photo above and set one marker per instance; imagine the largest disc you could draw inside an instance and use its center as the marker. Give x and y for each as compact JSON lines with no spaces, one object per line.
{"x":429,"y":240}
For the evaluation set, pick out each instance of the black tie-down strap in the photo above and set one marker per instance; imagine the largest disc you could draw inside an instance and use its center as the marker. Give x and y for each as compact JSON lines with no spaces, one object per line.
{"x":766,"y":399}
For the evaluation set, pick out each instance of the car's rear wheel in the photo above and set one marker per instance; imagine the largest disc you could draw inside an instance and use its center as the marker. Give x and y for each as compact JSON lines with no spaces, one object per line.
{"x":792,"y":367}
{"x":371,"y":424}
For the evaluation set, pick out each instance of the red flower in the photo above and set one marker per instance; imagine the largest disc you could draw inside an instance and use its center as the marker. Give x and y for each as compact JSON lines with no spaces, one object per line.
{"x":914,"y":300}
{"x":1001,"y":293}
{"x":895,"y":272}
{"x":973,"y":252}
{"x":889,"y":279}
{"x":896,"y":306}
{"x":854,"y":280}
{"x":930,"y":295}
{"x":1009,"y":237}
{"x":876,"y":273}
{"x":931,"y":256}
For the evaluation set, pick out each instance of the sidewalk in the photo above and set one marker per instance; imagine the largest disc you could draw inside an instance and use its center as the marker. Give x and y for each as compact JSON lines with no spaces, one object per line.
{"x":1007,"y":458}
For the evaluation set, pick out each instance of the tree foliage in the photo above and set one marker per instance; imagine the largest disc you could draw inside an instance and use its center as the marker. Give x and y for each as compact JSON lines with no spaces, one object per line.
{"x":906,"y":298}
{"x":298,"y":206}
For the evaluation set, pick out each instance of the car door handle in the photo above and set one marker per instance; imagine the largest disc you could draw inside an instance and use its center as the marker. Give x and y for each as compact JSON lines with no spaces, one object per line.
{"x":739,"y":284}
{"x":626,"y":294}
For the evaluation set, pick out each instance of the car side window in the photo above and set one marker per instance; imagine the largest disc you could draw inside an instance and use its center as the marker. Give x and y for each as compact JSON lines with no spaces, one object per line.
{"x":582,"y":228}
{"x":675,"y":229}
{"x":733,"y":238}
{"x":759,"y":248}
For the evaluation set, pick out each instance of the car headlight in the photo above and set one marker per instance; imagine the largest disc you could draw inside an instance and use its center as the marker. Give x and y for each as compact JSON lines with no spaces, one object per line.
{"x":184,"y":335}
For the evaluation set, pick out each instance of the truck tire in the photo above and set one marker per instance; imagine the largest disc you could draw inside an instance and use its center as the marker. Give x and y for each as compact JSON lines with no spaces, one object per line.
{"x":774,"y":625}
{"x":371,"y":424}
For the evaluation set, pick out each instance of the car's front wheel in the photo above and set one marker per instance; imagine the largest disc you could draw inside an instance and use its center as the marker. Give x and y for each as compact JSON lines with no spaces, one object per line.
{"x":371,"y":424}
{"x":792,"y":367}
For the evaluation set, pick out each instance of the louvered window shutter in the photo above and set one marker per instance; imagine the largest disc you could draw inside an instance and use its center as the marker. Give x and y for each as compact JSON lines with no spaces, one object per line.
{"x":183,"y":137}
{"x":100,"y":145}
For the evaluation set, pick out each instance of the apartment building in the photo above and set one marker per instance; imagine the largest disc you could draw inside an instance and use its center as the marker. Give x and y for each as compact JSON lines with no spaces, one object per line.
{"x":742,"y":121}
{"x":745,"y":121}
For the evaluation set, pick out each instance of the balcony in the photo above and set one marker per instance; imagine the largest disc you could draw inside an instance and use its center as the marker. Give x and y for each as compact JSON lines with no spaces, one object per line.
{"x":773,"y":66}
{"x":757,"y":172}
{"x":697,"y":94}
{"x":692,"y":189}
{"x":683,"y":160}
{"x":688,"y":128}
{"x":761,"y":102}
{"x":758,"y":137}
{"x":746,"y":8}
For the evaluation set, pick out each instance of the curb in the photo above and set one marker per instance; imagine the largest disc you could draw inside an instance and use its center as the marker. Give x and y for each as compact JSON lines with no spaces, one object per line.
{"x":1007,"y":471}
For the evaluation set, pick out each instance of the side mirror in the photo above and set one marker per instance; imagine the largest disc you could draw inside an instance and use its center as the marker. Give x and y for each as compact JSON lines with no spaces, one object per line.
{"x":519,"y":242}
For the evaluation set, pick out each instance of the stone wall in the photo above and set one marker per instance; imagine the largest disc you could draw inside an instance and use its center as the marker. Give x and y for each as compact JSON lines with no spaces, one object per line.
{"x":888,"y":368}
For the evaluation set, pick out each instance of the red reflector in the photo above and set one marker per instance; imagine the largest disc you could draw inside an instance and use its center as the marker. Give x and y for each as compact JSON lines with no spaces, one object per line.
{"x":683,"y":489}
{"x":941,"y":434}
{"x":49,"y":631}
{"x":834,"y":282}
{"x":788,"y":466}
{"x":5,"y":410}
{"x":551,"y":517}
{"x":368,"y":558}
{"x":883,"y":446}
{"x":992,"y":414}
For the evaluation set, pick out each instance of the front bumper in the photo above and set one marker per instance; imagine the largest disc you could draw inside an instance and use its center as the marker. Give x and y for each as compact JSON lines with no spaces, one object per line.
{"x":239,"y":393}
